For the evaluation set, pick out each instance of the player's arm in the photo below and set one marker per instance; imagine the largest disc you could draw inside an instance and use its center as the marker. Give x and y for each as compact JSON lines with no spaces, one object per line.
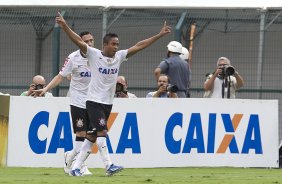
{"x":149,"y":41}
{"x":54,"y":82}
{"x":71,"y":34}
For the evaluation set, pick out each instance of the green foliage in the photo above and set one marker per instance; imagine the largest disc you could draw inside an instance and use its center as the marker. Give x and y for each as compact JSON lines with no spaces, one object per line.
{"x":207,"y":175}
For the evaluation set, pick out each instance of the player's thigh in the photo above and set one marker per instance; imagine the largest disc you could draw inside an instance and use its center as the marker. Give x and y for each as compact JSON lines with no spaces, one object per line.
{"x":79,"y":119}
{"x":98,"y":115}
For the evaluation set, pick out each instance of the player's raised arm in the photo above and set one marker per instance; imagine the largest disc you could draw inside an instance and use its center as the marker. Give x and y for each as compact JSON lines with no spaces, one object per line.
{"x":149,"y":41}
{"x":71,"y":34}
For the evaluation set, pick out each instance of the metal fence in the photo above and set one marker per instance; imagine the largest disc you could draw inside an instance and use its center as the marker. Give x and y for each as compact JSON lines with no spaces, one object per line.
{"x":250,"y":38}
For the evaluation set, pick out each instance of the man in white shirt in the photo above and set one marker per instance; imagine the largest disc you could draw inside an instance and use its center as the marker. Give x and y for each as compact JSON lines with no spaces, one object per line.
{"x":220,"y":84}
{"x":104,"y":66}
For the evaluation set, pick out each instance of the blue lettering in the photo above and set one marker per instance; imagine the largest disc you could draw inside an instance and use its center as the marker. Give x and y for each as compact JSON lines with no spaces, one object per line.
{"x":195,"y":128}
{"x":104,"y":71}
{"x":130,"y":126}
{"x":85,"y":74}
{"x":109,"y":145}
{"x":253,"y":127}
{"x":108,"y":71}
{"x":38,"y":146}
{"x":211,"y":133}
{"x":172,"y":145}
{"x":62,"y":124}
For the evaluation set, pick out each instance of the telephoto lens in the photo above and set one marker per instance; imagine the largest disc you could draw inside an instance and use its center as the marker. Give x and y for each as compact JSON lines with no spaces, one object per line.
{"x":229,"y":70}
{"x":172,"y":88}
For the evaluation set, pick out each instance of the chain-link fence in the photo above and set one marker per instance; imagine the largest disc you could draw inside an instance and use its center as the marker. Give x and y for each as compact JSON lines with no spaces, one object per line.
{"x":250,"y":38}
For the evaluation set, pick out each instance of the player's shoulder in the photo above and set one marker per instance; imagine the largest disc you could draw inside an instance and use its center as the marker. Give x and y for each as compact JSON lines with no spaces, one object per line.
{"x":74,"y":54}
{"x":121,"y":53}
{"x":93,"y":49}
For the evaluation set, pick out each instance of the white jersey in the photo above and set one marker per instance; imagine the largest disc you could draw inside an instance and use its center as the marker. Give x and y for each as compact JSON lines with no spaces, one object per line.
{"x":77,"y":66}
{"x":216,"y":92}
{"x":104,"y":73}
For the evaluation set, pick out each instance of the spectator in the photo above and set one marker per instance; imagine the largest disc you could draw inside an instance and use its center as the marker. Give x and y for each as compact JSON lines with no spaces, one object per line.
{"x":38,"y":82}
{"x":164,"y":90}
{"x":175,"y":68}
{"x":185,"y":57}
{"x":224,"y":82}
{"x":121,"y":89}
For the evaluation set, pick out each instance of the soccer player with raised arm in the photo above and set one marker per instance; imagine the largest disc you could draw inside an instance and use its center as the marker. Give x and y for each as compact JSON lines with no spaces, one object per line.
{"x":104,"y":66}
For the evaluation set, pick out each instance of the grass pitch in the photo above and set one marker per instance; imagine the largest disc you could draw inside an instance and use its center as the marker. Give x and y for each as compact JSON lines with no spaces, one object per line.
{"x":207,"y":175}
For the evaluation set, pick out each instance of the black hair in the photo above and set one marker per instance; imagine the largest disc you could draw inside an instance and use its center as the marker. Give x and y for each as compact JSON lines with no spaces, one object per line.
{"x":168,"y":79}
{"x":109,"y":36}
{"x":84,"y":33}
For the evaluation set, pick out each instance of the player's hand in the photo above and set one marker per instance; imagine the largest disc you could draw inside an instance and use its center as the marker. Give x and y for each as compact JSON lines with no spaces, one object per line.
{"x":40,"y":92}
{"x":165,"y":29}
{"x":122,"y":95}
{"x":60,"y":20}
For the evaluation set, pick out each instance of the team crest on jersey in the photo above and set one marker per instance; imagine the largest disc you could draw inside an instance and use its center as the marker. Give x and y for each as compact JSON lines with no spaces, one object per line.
{"x":79,"y":122}
{"x":109,"y":60}
{"x":102,"y":122}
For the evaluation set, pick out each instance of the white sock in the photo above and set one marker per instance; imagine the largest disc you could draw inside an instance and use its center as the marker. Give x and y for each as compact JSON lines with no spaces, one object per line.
{"x":103,"y":149}
{"x":83,"y":154}
{"x":74,"y":151}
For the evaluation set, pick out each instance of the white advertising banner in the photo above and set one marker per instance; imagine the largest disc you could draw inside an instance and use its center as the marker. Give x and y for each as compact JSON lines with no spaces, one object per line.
{"x":146,"y":133}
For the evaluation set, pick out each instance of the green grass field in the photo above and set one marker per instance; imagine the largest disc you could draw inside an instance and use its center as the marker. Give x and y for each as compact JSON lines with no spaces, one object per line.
{"x":207,"y":175}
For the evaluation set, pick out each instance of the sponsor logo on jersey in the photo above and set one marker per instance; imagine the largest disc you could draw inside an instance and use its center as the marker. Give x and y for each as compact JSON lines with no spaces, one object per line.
{"x":85,"y":74}
{"x":108,"y":71}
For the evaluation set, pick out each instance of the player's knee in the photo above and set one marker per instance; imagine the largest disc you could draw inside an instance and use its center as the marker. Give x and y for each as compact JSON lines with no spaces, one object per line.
{"x":81,"y":134}
{"x":91,"y":136}
{"x":102,"y":133}
{"x":79,"y":139}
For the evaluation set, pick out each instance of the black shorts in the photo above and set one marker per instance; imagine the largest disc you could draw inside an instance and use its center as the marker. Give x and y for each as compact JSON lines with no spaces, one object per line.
{"x":79,"y":119}
{"x":98,"y":115}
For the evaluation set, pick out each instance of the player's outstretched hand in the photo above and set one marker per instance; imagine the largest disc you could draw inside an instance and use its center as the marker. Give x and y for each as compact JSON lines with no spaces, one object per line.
{"x":60,"y":20}
{"x":165,"y":29}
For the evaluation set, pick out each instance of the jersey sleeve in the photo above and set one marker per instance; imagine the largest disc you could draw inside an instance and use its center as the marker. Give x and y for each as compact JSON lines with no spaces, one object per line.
{"x":92,"y":53}
{"x":122,"y":55}
{"x":67,"y":68}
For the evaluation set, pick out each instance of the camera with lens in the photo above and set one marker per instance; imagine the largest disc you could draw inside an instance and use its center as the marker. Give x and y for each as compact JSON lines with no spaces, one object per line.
{"x":120,"y":88}
{"x":227,"y":71}
{"x":172,"y":88}
{"x":38,"y":86}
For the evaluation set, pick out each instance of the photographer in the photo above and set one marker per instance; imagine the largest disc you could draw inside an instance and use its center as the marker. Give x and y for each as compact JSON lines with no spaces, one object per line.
{"x":224,"y":82}
{"x":164,"y":89}
{"x":121,"y":89}
{"x":38,"y":82}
